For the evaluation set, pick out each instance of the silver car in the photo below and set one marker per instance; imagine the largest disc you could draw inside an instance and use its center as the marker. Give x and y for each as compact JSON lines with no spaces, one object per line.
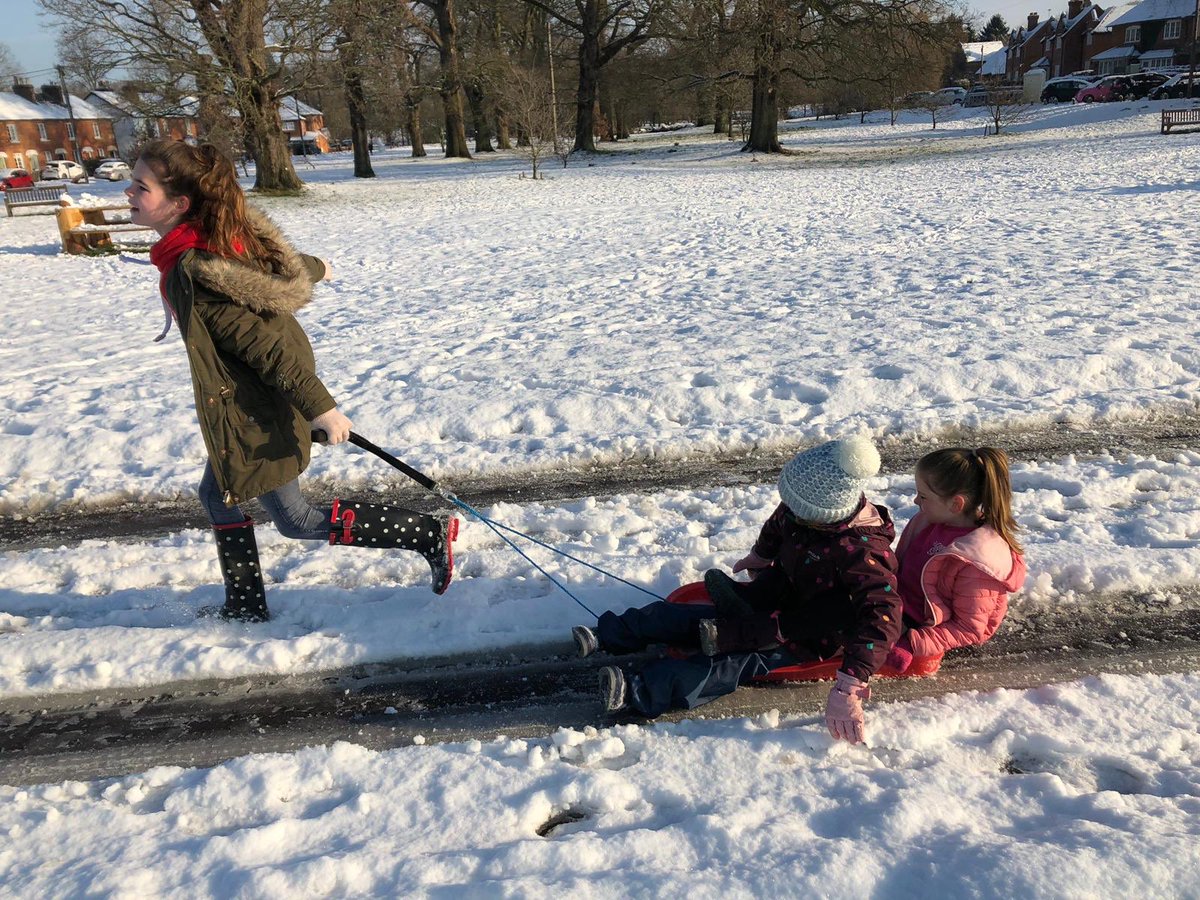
{"x":112,"y":170}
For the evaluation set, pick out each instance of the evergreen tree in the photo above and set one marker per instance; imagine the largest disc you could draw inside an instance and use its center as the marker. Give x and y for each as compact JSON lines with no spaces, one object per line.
{"x":995,"y":30}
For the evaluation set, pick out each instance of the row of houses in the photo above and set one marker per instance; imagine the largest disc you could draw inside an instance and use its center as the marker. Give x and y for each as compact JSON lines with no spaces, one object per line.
{"x":1107,"y":40}
{"x":38,"y":126}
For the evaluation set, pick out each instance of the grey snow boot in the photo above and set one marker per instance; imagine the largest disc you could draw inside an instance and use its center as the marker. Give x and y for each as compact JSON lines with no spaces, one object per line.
{"x":390,"y":527}
{"x":586,"y":642}
{"x":612,"y":689}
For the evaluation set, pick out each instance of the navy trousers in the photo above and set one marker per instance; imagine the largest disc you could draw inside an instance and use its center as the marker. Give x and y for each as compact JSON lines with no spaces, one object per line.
{"x":679,"y":683}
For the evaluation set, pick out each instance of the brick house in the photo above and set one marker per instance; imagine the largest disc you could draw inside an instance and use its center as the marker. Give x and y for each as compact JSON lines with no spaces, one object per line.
{"x":302,"y":122}
{"x":1156,"y":33}
{"x":138,"y":116}
{"x":1026,"y":50}
{"x":36,"y":128}
{"x":1067,"y":50}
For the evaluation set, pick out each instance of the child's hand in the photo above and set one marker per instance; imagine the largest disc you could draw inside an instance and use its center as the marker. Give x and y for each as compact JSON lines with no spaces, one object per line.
{"x":843,"y":712}
{"x":900,"y":656}
{"x":752,"y":563}
{"x":335,"y":425}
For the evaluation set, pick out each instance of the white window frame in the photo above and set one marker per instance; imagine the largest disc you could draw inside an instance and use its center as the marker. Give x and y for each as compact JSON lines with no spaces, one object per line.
{"x":12,"y":134}
{"x":71,"y":131}
{"x":1172,"y":29}
{"x":95,"y":129}
{"x":42,"y":131}
{"x":1133,"y":34}
{"x":50,"y":160}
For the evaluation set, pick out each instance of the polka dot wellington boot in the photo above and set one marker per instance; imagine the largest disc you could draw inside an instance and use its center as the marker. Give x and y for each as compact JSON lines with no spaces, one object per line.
{"x":245,"y":596}
{"x":390,"y":527}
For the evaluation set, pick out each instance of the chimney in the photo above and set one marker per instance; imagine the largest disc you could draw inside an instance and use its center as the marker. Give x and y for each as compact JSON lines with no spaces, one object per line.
{"x":51,"y":93}
{"x":1033,"y":20}
{"x":23,"y":89}
{"x":1074,"y":8}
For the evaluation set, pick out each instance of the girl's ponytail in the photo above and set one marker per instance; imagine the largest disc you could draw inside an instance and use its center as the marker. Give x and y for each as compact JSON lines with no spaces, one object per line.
{"x":981,"y":476}
{"x":995,"y":496}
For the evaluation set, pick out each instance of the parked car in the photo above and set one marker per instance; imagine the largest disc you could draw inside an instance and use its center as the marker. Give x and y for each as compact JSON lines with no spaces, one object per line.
{"x":112,"y":170}
{"x":1175,"y":88}
{"x":948,"y":95}
{"x":1120,"y":87}
{"x":15,"y":178}
{"x":1144,"y":82}
{"x":1063,"y":90}
{"x":976,"y":96}
{"x":64,"y":170}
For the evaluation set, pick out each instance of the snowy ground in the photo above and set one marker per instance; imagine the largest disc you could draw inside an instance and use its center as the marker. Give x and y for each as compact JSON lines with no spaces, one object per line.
{"x":673,"y":298}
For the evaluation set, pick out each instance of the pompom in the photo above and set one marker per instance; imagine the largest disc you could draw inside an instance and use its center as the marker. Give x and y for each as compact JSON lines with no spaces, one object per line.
{"x":857,"y":456}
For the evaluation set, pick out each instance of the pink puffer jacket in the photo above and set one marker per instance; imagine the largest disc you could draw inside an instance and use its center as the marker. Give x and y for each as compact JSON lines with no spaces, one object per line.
{"x":966,"y":588}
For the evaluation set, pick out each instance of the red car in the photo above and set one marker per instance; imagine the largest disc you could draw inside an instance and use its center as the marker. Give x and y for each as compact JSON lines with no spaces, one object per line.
{"x":14,"y":178}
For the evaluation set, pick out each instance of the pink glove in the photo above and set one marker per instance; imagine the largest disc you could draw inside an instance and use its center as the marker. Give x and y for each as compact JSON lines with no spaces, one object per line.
{"x":844,"y":714}
{"x":752,"y":563}
{"x":900,"y":656}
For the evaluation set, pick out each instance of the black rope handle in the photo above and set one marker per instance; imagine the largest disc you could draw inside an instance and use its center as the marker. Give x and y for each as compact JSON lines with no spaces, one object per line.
{"x":320,"y":436}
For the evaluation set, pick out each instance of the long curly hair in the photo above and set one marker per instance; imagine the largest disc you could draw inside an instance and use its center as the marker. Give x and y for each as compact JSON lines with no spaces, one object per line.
{"x":206,"y":176}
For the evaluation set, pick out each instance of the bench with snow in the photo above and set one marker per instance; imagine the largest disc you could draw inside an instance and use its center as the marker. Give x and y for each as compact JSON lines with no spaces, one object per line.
{"x":49,"y":195}
{"x":87,"y":229}
{"x":1175,"y":118}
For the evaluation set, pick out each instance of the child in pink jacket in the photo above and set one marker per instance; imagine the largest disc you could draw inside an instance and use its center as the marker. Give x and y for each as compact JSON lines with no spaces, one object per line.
{"x":959,"y":556}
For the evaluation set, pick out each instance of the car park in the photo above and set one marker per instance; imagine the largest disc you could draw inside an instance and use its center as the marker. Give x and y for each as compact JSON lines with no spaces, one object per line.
{"x":64,"y":170}
{"x":112,"y":170}
{"x":15,"y":178}
{"x":1063,"y":90}
{"x":1175,"y":88}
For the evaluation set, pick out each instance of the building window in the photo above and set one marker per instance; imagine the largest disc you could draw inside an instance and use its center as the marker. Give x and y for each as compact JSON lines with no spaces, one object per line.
{"x":71,"y":130}
{"x":49,"y":157}
{"x":1172,"y":29}
{"x":1133,"y":34}
{"x":96,"y":129}
{"x":12,"y":133}
{"x":42,"y":131}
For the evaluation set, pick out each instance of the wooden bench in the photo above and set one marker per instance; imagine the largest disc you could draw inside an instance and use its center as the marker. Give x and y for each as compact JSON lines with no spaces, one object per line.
{"x":1175,"y":118}
{"x":87,"y":229}
{"x":50,"y":195}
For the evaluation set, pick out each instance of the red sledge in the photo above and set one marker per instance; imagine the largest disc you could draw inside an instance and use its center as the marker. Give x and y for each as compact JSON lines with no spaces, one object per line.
{"x":818,"y":670}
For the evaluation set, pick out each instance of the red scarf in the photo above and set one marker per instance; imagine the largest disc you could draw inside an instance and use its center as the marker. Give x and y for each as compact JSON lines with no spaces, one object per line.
{"x":179,"y":240}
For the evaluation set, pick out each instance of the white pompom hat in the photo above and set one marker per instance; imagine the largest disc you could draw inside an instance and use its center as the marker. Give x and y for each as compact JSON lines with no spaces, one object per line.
{"x":825,"y":483}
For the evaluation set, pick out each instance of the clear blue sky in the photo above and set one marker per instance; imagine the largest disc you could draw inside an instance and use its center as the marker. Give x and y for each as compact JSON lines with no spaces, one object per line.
{"x":31,"y":37}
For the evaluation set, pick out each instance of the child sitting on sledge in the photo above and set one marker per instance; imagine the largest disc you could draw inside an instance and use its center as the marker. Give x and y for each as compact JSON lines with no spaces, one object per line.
{"x":824,"y":582}
{"x":959,"y":556}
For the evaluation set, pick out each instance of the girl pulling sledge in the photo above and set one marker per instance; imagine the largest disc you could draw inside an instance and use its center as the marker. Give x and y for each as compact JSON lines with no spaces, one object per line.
{"x":233,"y":283}
{"x":824,"y":581}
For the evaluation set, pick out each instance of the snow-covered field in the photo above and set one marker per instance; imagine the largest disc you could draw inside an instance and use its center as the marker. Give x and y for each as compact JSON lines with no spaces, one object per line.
{"x":673,"y":298}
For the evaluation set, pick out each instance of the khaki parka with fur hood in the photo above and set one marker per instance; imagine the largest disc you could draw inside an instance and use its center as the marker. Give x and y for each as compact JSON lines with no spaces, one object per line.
{"x":253,"y":371}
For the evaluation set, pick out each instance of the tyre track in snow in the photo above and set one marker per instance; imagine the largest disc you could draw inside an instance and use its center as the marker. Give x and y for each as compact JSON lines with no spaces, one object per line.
{"x":526,"y":693}
{"x":156,"y":519}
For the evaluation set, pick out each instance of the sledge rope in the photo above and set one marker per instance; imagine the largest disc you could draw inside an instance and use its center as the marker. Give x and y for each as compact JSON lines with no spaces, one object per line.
{"x":432,"y":486}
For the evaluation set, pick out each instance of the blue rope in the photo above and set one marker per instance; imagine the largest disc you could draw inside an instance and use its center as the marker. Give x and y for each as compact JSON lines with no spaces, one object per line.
{"x":498,"y":527}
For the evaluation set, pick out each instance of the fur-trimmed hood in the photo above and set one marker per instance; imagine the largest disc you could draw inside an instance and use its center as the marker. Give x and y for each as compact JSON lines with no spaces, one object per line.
{"x":284,"y":290}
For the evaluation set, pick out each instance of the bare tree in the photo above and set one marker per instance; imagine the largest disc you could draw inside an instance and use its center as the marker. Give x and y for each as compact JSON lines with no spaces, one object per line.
{"x":243,"y":46}
{"x":1005,"y":107}
{"x":604,"y":30}
{"x":87,"y":54}
{"x":8,"y":62}
{"x":528,"y":100}
{"x":442,"y":33}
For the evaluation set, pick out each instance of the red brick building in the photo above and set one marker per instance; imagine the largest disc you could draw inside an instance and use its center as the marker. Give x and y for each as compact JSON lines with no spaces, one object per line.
{"x":36,"y":127}
{"x":1155,"y":34}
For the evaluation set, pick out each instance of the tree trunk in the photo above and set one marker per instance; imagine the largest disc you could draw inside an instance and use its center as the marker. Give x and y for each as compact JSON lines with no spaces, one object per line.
{"x":413,"y":125}
{"x":264,"y":135}
{"x":483,"y":126}
{"x":356,"y":106}
{"x":503,"y":138}
{"x":764,"y":108}
{"x":705,"y":107}
{"x":589,"y":79}
{"x":723,"y":115}
{"x":451,"y":86}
